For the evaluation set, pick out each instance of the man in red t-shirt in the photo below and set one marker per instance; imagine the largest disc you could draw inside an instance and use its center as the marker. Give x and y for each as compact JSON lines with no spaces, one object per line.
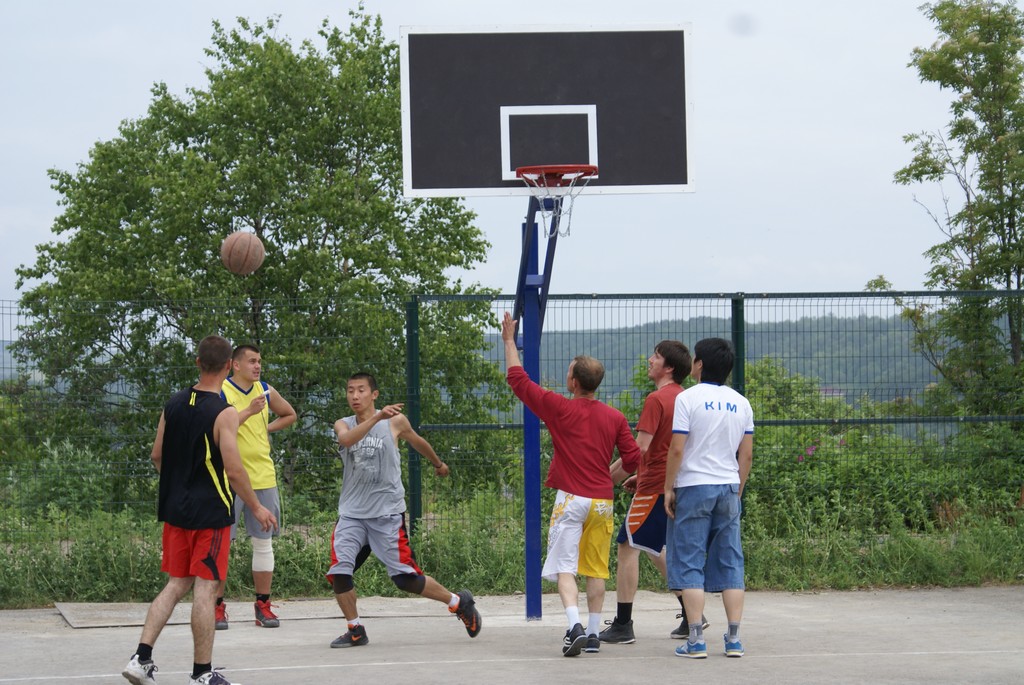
{"x":644,"y":527}
{"x":585,"y":434}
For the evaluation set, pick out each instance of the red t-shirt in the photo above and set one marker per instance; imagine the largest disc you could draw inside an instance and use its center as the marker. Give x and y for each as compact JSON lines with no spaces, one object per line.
{"x":656,"y":419}
{"x":584,"y":433}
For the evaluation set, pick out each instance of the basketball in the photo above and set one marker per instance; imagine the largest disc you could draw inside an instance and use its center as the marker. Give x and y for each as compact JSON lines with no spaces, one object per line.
{"x":242,"y":253}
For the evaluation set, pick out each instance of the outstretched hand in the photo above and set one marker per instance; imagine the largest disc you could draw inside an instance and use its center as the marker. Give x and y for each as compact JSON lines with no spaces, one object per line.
{"x":508,"y":328}
{"x":390,"y":411}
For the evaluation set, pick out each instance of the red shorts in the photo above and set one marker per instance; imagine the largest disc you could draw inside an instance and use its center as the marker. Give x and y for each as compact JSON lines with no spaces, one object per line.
{"x":196,"y":553}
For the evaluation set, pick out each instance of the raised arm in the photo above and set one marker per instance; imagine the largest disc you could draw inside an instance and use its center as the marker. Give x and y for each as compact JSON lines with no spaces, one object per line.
{"x":508,"y":338}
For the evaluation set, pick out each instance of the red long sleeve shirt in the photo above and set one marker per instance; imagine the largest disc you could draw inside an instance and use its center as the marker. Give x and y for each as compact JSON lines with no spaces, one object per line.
{"x":584,"y":432}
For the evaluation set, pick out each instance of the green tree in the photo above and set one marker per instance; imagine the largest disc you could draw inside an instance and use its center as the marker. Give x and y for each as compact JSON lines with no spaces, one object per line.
{"x":301,"y":145}
{"x":975,"y":342}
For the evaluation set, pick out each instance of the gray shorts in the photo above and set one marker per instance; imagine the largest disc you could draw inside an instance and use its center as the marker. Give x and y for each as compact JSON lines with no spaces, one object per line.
{"x":268,"y":498}
{"x":386,"y":538}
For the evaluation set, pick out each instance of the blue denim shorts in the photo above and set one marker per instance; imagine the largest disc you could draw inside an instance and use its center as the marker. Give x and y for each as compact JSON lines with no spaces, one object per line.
{"x":703,"y":540}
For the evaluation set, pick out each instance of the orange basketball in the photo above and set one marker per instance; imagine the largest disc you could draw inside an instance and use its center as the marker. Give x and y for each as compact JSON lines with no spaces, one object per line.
{"x":242,"y":252}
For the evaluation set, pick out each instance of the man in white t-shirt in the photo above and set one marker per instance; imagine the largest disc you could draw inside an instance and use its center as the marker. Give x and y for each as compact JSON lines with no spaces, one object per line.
{"x":708,"y":463}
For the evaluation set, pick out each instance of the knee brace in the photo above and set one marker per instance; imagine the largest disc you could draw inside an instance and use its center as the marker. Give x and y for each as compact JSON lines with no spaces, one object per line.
{"x":410,"y":582}
{"x":262,"y":554}
{"x":342,"y":583}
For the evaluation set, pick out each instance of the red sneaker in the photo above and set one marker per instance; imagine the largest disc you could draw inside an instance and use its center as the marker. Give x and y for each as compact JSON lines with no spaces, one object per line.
{"x":265,"y":616}
{"x":221,"y":616}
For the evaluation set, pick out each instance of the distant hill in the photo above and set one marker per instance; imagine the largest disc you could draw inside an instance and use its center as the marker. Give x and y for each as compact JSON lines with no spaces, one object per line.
{"x":849,"y":357}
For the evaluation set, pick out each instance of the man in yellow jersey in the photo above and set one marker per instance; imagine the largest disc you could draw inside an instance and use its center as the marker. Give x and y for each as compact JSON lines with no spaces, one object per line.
{"x":254,"y":401}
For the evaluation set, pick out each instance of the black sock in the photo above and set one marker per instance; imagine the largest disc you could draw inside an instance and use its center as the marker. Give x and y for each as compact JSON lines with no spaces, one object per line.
{"x":220,"y":600}
{"x":624,"y":613}
{"x":145,"y":652}
{"x":682,"y":609}
{"x":262,"y":598}
{"x":200,"y":669}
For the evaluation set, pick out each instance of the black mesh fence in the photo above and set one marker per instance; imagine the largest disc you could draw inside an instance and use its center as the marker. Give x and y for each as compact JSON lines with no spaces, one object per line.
{"x":851,"y":408}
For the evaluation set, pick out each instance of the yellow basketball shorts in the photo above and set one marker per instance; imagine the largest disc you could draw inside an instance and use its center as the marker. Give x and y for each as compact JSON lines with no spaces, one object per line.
{"x":579,"y":537}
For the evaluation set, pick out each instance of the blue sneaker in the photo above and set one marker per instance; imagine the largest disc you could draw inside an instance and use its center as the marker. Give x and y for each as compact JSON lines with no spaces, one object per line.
{"x":733,"y":649}
{"x":693,"y":650}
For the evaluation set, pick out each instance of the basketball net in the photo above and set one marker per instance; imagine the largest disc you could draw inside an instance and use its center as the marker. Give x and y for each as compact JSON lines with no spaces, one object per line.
{"x":556,"y":188}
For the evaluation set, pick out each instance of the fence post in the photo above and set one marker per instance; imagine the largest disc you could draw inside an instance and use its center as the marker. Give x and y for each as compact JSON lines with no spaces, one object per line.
{"x":412,"y":404}
{"x":739,"y":344}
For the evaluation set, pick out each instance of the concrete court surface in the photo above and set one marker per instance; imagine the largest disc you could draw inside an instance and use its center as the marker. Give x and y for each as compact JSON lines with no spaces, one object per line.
{"x":971,"y":635}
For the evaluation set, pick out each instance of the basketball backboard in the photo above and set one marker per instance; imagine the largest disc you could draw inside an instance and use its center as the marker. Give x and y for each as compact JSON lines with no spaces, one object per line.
{"x":478,"y":102}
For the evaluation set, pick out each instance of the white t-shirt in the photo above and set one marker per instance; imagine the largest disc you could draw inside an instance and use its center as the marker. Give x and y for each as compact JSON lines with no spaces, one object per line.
{"x":714,"y":419}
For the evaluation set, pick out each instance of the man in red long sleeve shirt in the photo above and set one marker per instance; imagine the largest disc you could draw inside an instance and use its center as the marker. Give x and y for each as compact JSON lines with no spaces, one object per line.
{"x":585,"y":433}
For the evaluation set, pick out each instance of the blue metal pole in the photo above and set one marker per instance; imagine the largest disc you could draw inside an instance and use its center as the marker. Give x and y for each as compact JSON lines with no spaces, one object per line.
{"x":531,"y":331}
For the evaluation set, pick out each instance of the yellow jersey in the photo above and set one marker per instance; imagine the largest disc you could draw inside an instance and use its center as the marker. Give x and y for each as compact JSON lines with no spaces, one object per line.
{"x":253,"y":437}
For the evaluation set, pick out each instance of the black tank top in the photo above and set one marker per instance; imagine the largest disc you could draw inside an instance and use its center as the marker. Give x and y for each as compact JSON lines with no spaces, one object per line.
{"x":194,"y":490}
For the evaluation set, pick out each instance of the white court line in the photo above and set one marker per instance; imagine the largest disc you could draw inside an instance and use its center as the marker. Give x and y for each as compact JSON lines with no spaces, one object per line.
{"x":455,"y":662}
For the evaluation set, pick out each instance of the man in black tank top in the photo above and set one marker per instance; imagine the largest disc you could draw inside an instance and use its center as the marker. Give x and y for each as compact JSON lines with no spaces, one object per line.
{"x":196,"y":454}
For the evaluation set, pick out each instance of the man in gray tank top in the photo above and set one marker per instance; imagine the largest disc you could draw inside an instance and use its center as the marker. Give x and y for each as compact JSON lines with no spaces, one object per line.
{"x":371,"y":509}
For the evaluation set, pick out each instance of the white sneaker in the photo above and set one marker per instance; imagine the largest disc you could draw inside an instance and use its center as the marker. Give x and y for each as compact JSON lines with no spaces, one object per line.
{"x":211,"y":678}
{"x":140,"y":672}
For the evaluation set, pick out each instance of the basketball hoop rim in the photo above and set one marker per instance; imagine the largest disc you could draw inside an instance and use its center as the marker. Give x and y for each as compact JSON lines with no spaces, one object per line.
{"x":555,"y":174}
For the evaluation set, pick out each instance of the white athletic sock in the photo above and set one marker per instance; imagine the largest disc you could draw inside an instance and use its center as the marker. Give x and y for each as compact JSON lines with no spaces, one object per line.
{"x":593,"y":624}
{"x":573,"y":614}
{"x":354,"y":622}
{"x":453,"y":602}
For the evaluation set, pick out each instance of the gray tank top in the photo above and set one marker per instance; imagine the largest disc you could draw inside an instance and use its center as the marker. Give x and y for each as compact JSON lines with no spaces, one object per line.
{"x":372,"y":479}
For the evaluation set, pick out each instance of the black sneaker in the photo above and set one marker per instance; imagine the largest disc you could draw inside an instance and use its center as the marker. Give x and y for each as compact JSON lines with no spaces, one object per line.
{"x":618,"y":633}
{"x":593,"y":645}
{"x":575,"y":638}
{"x":683,"y":631}
{"x":355,"y":636}
{"x":467,"y":613}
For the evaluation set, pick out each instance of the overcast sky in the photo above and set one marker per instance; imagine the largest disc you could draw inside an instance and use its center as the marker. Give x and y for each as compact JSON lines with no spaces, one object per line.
{"x":799,"y":108}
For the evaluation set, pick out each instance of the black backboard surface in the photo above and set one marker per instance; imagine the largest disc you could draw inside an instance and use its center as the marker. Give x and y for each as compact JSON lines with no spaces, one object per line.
{"x":479,"y":102}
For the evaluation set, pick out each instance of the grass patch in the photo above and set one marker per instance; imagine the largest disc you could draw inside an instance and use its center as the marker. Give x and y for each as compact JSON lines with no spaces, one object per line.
{"x":478,"y":544}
